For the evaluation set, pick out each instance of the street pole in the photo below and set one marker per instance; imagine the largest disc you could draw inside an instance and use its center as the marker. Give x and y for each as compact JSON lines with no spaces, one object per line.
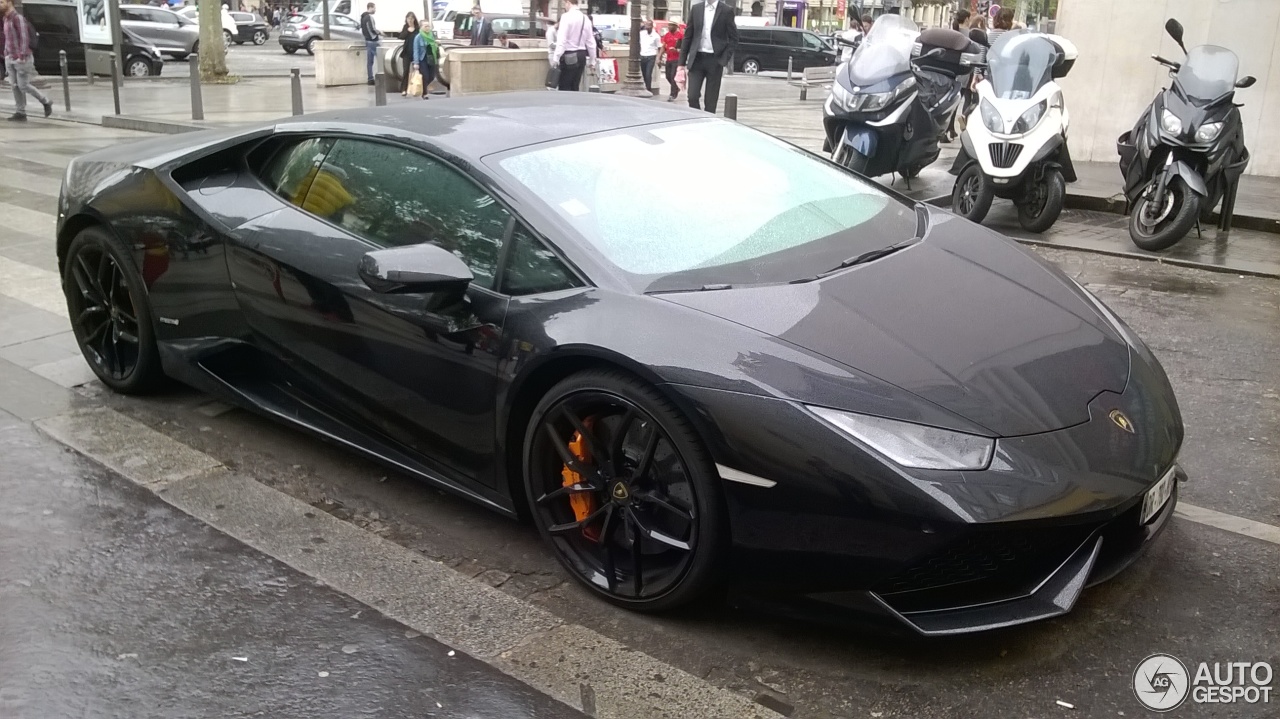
{"x":325,"y":10}
{"x":113,"y":17}
{"x":633,"y":85}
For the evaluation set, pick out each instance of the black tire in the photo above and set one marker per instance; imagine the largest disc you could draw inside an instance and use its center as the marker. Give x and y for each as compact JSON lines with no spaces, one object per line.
{"x":668,"y":481}
{"x":310,"y":46}
{"x":138,"y":67}
{"x":195,"y":48}
{"x":750,"y":66}
{"x":972,"y":195}
{"x":1173,"y":223}
{"x":111,"y":313}
{"x":260,"y":37}
{"x":1045,"y":204}
{"x":858,"y":162}
{"x":229,"y":38}
{"x":289,"y":50}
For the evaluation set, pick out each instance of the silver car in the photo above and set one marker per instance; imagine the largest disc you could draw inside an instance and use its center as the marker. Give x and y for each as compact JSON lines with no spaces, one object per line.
{"x":173,"y":34}
{"x":305,"y":30}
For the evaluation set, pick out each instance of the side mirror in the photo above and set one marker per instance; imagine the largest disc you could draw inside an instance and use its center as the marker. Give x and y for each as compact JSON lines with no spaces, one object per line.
{"x":1246,"y":81}
{"x":1174,"y":28}
{"x":414,"y":269}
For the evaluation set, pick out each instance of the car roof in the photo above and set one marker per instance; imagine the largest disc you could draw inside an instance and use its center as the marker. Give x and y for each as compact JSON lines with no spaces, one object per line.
{"x":475,"y":126}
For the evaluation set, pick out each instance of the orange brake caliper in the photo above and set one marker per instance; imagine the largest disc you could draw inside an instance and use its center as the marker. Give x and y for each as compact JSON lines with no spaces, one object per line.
{"x":582,"y":502}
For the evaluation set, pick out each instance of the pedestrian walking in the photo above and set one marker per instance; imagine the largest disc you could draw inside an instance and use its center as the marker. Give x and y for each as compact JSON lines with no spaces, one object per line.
{"x":481,"y":28}
{"x":575,"y":46}
{"x":19,"y":62}
{"x":370,"y":32}
{"x":426,"y":57}
{"x":553,"y":72}
{"x":505,"y":41}
{"x":409,"y":36}
{"x":650,"y":45}
{"x":671,"y":47}
{"x":1002,"y":24}
{"x":710,"y":39}
{"x":960,"y":20}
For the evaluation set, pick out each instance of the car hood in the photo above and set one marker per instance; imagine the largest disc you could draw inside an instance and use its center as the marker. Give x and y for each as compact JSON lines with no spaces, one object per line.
{"x":966,"y":320}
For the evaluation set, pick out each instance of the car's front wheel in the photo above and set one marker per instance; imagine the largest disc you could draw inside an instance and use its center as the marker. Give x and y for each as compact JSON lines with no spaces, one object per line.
{"x":138,"y":67}
{"x":110,"y":312}
{"x":289,"y":50}
{"x":751,"y":66}
{"x":621,"y":488}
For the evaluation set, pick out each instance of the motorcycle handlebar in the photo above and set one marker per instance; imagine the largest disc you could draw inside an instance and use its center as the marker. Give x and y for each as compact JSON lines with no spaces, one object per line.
{"x":1167,"y":63}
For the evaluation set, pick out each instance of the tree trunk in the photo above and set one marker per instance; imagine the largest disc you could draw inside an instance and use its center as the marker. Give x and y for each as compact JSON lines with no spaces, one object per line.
{"x":213,"y":48}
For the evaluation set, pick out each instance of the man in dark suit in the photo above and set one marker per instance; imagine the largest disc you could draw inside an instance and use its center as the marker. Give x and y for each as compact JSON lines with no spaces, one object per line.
{"x":481,"y":28}
{"x":710,"y":39}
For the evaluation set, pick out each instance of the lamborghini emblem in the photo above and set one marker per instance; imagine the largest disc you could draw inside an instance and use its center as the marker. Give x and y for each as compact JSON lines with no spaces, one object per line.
{"x":1121,"y":421}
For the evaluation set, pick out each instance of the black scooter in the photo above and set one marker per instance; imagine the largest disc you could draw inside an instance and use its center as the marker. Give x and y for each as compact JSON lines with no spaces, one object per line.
{"x":1187,"y":151}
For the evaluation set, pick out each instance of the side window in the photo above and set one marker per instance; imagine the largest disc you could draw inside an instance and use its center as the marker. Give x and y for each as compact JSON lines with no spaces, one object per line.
{"x":393,"y":196}
{"x":132,"y":15}
{"x":343,"y":21}
{"x":294,"y":167}
{"x":787,"y":38}
{"x":812,"y":42}
{"x":532,"y":268}
{"x":51,"y":20}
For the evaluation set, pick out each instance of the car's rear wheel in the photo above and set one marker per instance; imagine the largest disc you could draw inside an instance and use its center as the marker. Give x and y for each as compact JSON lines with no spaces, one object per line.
{"x":621,"y":488}
{"x":110,"y":312}
{"x":751,"y":66}
{"x":310,"y":46}
{"x":260,"y":37}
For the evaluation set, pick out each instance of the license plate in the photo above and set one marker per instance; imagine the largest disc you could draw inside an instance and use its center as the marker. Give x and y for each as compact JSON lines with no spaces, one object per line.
{"x":1157,"y":496}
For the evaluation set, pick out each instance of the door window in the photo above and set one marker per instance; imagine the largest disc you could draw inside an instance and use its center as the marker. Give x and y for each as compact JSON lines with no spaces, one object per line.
{"x":342,"y":21}
{"x":294,"y":167}
{"x":788,"y":39}
{"x":51,"y":20}
{"x":132,"y":15}
{"x":393,"y":196}
{"x":812,"y":42}
{"x":532,"y":268}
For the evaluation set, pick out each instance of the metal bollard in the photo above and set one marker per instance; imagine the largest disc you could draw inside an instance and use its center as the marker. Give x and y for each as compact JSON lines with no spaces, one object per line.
{"x":295,"y":81}
{"x":115,"y":82}
{"x":380,"y":89}
{"x":66,"y":85}
{"x":197,"y":100}
{"x":789,"y":61}
{"x":731,"y":106}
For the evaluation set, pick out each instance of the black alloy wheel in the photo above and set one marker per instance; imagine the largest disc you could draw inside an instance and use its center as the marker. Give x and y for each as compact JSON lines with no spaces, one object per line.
{"x":972,"y":196}
{"x":110,"y":313}
{"x":1043,"y":203}
{"x":289,"y":50}
{"x":1158,"y":223}
{"x":620,"y":487}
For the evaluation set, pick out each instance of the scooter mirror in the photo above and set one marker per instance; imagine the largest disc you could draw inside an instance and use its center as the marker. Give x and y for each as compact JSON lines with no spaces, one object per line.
{"x":1246,"y":81}
{"x":1174,"y":28}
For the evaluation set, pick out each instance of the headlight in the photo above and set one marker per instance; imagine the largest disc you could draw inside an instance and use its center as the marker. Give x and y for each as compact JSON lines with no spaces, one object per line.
{"x":881,"y":100}
{"x":1030,"y":118}
{"x":913,"y":445}
{"x":991,"y":117}
{"x":1208,"y":132}
{"x":840,"y":96}
{"x":1170,"y":123}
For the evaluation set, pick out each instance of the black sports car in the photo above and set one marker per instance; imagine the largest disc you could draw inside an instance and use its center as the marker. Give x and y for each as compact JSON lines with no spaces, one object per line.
{"x":692,"y":353}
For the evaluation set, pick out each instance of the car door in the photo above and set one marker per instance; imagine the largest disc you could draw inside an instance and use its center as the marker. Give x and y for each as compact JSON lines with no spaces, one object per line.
{"x":789,"y":44}
{"x":382,"y":359}
{"x":139,"y":21}
{"x":58,"y":31}
{"x":343,"y":27}
{"x":816,"y":52}
{"x":168,"y":28}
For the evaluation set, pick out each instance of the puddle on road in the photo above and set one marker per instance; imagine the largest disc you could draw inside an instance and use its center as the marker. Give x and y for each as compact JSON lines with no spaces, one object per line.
{"x":1177,"y":285}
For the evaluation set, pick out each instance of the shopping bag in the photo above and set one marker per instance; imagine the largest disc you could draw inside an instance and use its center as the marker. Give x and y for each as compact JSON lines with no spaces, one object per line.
{"x":682,"y":77}
{"x":553,"y":77}
{"x":415,"y":83}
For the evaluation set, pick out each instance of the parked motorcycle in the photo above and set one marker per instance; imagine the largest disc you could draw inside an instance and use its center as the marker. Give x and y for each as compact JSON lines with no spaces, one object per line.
{"x":896,"y":96}
{"x":1187,"y":151}
{"x":1014,"y":145}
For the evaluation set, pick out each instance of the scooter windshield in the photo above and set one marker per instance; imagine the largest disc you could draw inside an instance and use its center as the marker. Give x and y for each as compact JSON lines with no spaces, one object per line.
{"x":1020,"y":64}
{"x":1209,"y":72}
{"x":885,"y":52}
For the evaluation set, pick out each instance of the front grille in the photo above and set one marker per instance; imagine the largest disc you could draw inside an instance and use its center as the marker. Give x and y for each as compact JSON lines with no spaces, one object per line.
{"x":985,"y":555}
{"x":1004,"y":154}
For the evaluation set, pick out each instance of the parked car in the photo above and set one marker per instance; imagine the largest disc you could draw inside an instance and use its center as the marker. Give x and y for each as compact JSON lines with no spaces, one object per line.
{"x":250,"y":27}
{"x":192,"y":13}
{"x":174,"y":34}
{"x":516,"y":26}
{"x":767,"y":48}
{"x":55,"y":20}
{"x":303,"y":31}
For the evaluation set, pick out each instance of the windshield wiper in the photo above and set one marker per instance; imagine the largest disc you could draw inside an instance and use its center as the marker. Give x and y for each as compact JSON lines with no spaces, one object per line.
{"x":872,"y":255}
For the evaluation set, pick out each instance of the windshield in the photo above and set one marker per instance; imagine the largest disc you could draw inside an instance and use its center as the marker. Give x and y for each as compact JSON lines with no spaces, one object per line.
{"x":886,"y":50}
{"x":761,"y":211}
{"x":1020,"y":64}
{"x":1209,"y":72}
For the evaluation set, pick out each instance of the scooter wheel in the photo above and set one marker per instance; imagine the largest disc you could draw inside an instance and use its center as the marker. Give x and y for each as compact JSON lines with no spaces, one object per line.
{"x":1041,"y":209}
{"x":972,"y":195}
{"x":1154,"y":228}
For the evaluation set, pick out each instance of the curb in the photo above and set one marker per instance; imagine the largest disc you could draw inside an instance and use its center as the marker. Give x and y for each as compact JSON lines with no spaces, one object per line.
{"x":142,"y":124}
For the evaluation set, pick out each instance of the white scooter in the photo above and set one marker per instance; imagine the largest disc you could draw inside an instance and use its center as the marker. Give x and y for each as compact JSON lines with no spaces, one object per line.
{"x":1015,"y":143}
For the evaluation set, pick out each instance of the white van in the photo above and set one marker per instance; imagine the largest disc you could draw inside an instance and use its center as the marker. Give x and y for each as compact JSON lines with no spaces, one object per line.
{"x":444,"y":11}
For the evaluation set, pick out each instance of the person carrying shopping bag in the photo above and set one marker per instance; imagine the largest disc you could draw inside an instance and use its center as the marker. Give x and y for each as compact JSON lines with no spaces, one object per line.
{"x":426,"y":58}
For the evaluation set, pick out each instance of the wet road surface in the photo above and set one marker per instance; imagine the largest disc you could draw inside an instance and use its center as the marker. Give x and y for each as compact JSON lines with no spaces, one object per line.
{"x":114,"y":604}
